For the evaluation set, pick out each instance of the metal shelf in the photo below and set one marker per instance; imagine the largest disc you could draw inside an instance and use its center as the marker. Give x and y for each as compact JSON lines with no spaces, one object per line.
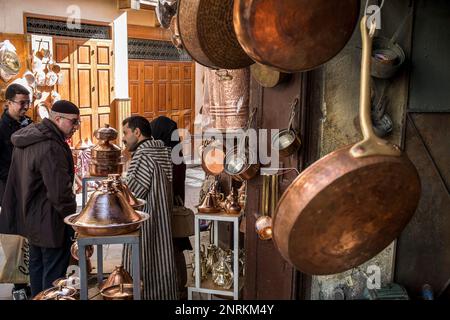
{"x":207,"y":286}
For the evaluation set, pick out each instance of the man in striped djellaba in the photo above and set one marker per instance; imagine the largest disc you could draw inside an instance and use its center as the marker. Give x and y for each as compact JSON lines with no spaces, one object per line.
{"x":149,"y":177}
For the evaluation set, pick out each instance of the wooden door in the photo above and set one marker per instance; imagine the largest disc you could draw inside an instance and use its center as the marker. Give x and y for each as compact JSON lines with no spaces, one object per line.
{"x":93,"y":85}
{"x":162,"y":88}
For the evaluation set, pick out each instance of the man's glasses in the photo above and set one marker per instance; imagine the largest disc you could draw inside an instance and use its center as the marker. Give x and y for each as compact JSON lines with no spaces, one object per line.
{"x":23,"y":104}
{"x":75,"y":122}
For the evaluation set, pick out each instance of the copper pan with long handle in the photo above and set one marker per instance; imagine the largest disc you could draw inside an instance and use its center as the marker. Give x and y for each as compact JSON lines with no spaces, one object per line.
{"x":350,"y":205}
{"x":294,"y":35}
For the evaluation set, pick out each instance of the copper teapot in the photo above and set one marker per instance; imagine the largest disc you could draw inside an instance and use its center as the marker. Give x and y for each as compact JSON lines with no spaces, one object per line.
{"x":107,"y":213}
{"x":232,"y":205}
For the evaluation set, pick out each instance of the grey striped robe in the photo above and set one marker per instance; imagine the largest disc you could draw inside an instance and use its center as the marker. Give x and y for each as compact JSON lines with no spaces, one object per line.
{"x":147,"y":178}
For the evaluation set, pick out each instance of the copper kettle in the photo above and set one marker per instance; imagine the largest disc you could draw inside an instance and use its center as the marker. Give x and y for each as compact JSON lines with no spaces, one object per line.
{"x":232,"y":206}
{"x":137,"y":204}
{"x":107,"y":213}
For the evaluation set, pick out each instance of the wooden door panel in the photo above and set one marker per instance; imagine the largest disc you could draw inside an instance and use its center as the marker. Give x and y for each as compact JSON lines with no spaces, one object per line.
{"x":187,"y":96}
{"x":134,"y":96}
{"x":162,"y":88}
{"x":148,"y":106}
{"x":104,"y":85}
{"x":65,"y":89}
{"x":84,"y":88}
{"x":103,"y":56}
{"x":103,"y":118}
{"x":86,"y":127}
{"x":63,"y":51}
{"x":84,"y":53}
{"x":149,"y":72}
{"x":162,"y":98}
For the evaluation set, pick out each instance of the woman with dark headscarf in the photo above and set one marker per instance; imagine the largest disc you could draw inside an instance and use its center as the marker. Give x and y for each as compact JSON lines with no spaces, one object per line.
{"x":162,"y":129}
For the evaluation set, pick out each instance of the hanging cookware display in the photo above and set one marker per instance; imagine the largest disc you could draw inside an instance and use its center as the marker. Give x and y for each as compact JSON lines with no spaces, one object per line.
{"x":351,"y":204}
{"x":213,"y":155}
{"x":286,"y":141}
{"x":387,"y":55}
{"x":294,"y":35}
{"x":89,"y":251}
{"x":107,"y":213}
{"x":136,"y":203}
{"x":266,"y":76}
{"x":105,"y":156}
{"x":207,"y":34}
{"x":241,"y":162}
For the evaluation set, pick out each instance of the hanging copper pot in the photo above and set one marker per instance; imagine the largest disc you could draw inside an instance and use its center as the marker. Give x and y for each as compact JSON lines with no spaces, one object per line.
{"x":241,"y":162}
{"x":105,"y":156}
{"x":117,"y":277}
{"x":286,"y":141}
{"x":213,"y":156}
{"x":137,"y":204}
{"x":294,"y":35}
{"x":207,"y":34}
{"x":351,"y":204}
{"x":107,"y":213}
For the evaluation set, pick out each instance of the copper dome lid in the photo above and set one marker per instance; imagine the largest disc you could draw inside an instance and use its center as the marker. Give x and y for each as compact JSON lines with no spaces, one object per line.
{"x":106,"y":213}
{"x":136,"y":203}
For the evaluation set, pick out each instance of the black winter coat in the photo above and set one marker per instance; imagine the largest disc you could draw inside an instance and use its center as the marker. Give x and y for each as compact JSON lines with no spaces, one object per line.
{"x":8,"y":126}
{"x":38,"y":193}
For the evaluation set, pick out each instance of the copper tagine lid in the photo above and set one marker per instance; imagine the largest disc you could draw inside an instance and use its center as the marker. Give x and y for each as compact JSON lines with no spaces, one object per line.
{"x":107,"y":213}
{"x":107,"y":206}
{"x":106,"y":133}
{"x":117,"y":277}
{"x":136,"y":203}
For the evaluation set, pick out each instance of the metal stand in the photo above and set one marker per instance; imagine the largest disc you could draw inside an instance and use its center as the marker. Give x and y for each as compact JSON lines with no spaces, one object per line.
{"x":131,"y":238}
{"x":210,"y":288}
{"x":84,"y":190}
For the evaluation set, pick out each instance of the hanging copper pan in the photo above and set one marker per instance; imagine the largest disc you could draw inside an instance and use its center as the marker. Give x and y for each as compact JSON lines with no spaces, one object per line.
{"x":348,"y":206}
{"x":207,"y":33}
{"x":294,"y":35}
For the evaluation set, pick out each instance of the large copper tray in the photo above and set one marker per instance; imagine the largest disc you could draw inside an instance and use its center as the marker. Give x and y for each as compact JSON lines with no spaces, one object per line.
{"x":106,"y":230}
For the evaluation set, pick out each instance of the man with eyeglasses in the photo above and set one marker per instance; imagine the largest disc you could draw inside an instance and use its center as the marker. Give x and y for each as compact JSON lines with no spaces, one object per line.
{"x":13,"y":118}
{"x":39,"y":194}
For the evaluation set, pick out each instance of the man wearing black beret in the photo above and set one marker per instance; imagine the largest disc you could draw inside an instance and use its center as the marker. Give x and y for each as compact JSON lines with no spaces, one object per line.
{"x":39,"y":194}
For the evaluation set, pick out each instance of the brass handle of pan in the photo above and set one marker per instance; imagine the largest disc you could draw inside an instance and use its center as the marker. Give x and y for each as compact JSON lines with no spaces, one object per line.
{"x":371,"y":145}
